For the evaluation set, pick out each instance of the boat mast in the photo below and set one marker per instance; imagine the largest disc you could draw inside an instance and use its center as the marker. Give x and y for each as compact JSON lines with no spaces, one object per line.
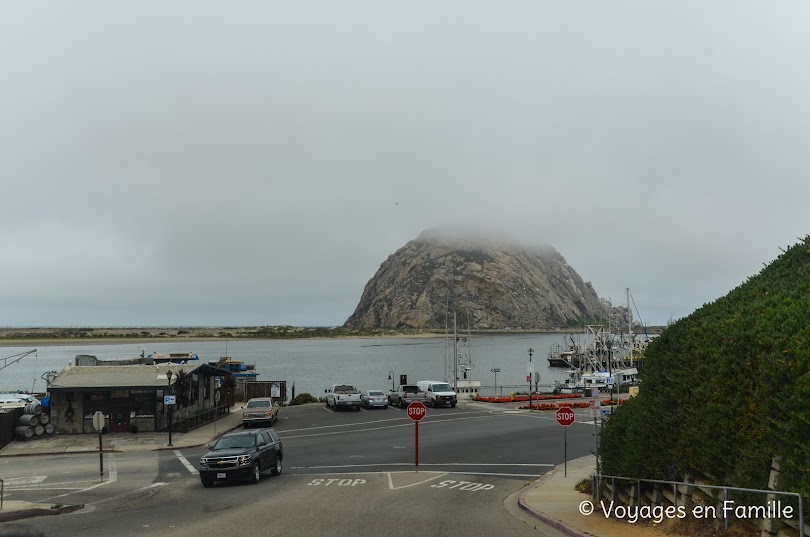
{"x":630,"y":326}
{"x":455,"y":354}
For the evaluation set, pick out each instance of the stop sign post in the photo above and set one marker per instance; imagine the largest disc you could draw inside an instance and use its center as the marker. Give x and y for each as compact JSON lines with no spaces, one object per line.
{"x":98,"y":425}
{"x":565,"y":417}
{"x":417,"y":411}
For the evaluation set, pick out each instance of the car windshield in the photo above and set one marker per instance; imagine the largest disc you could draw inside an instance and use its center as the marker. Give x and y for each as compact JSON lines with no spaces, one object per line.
{"x":374,"y":392}
{"x":255,"y":404}
{"x":232,"y":442}
{"x":442,"y":388}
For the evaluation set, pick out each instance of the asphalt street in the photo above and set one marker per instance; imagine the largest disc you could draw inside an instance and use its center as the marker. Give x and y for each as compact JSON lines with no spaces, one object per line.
{"x":344,"y":472}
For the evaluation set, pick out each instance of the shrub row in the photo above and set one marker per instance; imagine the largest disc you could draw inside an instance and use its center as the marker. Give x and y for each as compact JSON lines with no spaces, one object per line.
{"x":726,"y":389}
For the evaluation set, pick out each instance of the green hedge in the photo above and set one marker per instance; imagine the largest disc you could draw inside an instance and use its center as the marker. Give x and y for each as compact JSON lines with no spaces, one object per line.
{"x":726,"y":389}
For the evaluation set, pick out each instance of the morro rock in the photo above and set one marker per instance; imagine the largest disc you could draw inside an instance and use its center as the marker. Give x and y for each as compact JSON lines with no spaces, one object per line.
{"x":488,"y":285}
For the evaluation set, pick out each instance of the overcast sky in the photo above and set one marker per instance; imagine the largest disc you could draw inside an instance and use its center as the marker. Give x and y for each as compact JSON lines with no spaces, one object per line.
{"x":246,"y":163}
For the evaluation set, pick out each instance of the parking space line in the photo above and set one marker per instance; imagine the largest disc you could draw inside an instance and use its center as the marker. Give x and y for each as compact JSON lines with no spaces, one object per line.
{"x":187,"y":464}
{"x":323,"y":407}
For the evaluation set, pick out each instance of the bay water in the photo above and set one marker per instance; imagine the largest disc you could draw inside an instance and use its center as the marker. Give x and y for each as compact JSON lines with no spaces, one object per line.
{"x":315,"y":364}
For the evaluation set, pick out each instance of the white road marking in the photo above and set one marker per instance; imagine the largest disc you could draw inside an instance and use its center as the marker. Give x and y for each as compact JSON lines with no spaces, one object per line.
{"x":142,"y":489}
{"x":187,"y":464}
{"x":532,"y":465}
{"x":369,"y":422}
{"x":406,"y":424}
{"x":22,"y":481}
{"x":112,"y":477}
{"x":60,"y":485}
{"x":495,"y":474}
{"x":363,"y":409}
{"x":392,"y":487}
{"x":323,"y":407}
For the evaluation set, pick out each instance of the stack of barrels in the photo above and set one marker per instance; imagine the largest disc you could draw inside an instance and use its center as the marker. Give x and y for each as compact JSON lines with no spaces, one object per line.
{"x":34,"y":422}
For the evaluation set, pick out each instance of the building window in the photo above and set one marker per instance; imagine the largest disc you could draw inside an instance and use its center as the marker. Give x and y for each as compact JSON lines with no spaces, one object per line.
{"x":142,"y":403}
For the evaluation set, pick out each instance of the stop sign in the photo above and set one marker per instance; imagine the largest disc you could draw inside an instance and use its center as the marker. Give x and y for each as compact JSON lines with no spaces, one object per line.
{"x":565,"y":416}
{"x":417,"y":411}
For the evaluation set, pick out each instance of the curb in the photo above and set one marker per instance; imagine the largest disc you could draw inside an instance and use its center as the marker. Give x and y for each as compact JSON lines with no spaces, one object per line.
{"x":34,"y":512}
{"x":544,"y":518}
{"x":95,"y":450}
{"x":57,"y":453}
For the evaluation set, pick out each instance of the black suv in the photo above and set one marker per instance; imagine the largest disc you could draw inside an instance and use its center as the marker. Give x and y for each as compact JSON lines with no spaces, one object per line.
{"x":242,"y":455}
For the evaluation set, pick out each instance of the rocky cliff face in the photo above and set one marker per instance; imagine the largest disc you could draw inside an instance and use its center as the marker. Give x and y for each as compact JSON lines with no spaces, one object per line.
{"x":489,"y":286}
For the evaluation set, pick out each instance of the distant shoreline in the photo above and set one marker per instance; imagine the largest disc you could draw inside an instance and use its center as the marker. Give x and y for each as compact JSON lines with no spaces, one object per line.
{"x":25,"y":337}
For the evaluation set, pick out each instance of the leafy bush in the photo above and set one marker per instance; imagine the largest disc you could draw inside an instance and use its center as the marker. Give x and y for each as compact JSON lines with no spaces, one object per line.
{"x":303,"y":398}
{"x":725,"y":389}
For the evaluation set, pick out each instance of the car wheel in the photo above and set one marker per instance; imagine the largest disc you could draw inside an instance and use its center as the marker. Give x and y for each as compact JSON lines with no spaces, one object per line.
{"x":385,"y":407}
{"x":452,"y":405}
{"x":401,"y":405}
{"x":257,"y":474}
{"x":276,"y":470}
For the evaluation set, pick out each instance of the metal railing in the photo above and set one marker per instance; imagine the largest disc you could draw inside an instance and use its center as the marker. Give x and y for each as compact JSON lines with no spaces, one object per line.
{"x":598,"y":479}
{"x":188,"y":423}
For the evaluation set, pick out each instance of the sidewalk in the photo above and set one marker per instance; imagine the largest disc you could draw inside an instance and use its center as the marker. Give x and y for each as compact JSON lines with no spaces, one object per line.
{"x":118,"y":442}
{"x":554,"y":501}
{"x":122,"y":442}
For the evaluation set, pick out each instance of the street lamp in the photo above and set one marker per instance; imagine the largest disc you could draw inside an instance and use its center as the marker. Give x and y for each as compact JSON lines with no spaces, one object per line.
{"x":496,"y":371}
{"x":391,"y":378}
{"x":531,"y":351}
{"x":169,"y":379}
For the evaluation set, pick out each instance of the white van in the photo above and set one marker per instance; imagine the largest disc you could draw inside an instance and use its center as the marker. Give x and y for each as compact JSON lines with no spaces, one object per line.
{"x":437,"y":393}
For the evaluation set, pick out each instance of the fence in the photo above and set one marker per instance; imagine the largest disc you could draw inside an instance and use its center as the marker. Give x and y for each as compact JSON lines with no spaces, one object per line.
{"x":504,"y":389}
{"x":636,"y":497}
{"x":8,"y":421}
{"x":188,"y":423}
{"x":277,"y":389}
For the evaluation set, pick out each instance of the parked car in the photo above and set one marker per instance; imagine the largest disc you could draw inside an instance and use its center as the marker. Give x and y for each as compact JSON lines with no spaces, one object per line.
{"x":242,"y":456}
{"x":405,"y":394}
{"x":259,"y":411}
{"x":372,"y":398}
{"x":342,"y":396}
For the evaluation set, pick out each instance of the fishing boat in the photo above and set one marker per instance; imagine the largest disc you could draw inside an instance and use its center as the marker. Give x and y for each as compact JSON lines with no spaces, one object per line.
{"x":237,"y":368}
{"x":460,"y":369}
{"x":604,"y":362}
{"x":173,"y":357}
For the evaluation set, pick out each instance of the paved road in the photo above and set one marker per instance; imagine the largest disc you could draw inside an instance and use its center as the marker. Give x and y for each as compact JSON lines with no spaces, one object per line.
{"x":345,"y":473}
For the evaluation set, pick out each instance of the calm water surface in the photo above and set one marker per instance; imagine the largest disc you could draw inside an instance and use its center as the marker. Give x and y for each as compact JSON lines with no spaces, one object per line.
{"x":315,"y":364}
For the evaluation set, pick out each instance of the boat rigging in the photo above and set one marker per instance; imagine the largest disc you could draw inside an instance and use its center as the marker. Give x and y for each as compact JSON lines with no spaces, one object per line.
{"x":17,"y":358}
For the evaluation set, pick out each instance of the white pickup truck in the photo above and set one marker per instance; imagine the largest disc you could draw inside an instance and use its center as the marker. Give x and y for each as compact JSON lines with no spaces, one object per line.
{"x":343,"y":396}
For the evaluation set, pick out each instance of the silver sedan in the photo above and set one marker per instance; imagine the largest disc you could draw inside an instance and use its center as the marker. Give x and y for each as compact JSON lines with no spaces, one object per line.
{"x":372,"y":398}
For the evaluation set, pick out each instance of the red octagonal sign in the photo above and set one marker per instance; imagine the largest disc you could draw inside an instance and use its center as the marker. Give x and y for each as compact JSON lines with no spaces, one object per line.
{"x":417,"y":411}
{"x":565,"y":416}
